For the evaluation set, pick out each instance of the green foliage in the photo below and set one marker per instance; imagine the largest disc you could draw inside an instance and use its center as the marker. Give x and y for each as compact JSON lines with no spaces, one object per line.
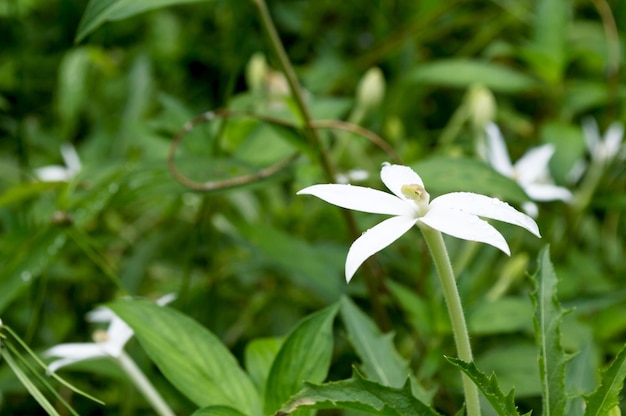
{"x":360,"y":394}
{"x":217,"y":411}
{"x":191,"y":357}
{"x":606,"y":396}
{"x":100,"y":11}
{"x":548,"y":320}
{"x":503,"y":404}
{"x":304,"y":356}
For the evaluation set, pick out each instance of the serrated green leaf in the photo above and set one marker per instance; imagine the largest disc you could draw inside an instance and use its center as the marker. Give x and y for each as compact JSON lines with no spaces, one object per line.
{"x":360,"y":394}
{"x":548,"y":319}
{"x":462,"y":73}
{"x":305,"y":356}
{"x":193,"y":359}
{"x":503,"y":404}
{"x":381,"y":361}
{"x":217,"y":411}
{"x":606,"y":395}
{"x":448,"y":174}
{"x":100,"y":11}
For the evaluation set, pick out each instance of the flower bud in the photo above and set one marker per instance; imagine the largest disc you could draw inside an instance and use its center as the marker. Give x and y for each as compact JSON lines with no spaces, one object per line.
{"x":371,"y":89}
{"x":481,"y":106}
{"x":256,"y":72}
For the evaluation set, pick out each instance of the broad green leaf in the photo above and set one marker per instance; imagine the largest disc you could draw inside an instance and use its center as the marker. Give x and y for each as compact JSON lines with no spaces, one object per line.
{"x":23,"y":191}
{"x":521,"y":373}
{"x":100,"y":11}
{"x":259,"y":355}
{"x":72,"y":91}
{"x":447,"y":174}
{"x":548,"y":319}
{"x":607,"y":395}
{"x":503,"y":404}
{"x":217,"y":411}
{"x":462,"y":73}
{"x":318,"y":269}
{"x":380,"y":359}
{"x":193,"y":359}
{"x":507,"y":314}
{"x":305,"y":356}
{"x":360,"y":394}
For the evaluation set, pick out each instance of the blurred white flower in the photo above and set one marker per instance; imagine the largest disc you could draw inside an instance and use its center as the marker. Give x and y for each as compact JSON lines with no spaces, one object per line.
{"x":56,"y":173}
{"x":603,"y":149}
{"x":353,"y":175}
{"x":109,"y":343}
{"x":456,"y":214}
{"x":530,"y":171}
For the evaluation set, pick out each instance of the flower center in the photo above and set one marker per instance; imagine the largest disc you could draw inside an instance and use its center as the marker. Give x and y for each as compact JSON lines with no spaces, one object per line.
{"x":100,"y":336}
{"x":418,"y":195}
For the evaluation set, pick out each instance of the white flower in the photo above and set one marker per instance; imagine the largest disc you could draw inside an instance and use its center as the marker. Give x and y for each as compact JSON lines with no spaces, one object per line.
{"x":109,"y":343}
{"x":530,"y":171}
{"x":353,"y":175}
{"x":603,"y":150}
{"x":56,"y":173}
{"x":456,"y":214}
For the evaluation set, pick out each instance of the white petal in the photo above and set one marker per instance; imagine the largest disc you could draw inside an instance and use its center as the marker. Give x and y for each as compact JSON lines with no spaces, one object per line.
{"x":530,"y":208}
{"x":63,"y":362}
{"x":359,"y":198}
{"x":483,"y":206}
{"x":165,"y":299}
{"x":101,"y":314}
{"x":77,"y":350}
{"x":72,"y":161}
{"x":119,"y":333}
{"x":547,"y":192}
{"x":465,"y":226}
{"x":374,"y":240}
{"x":591,"y":134}
{"x":613,"y":139}
{"x":534,"y":164}
{"x":395,"y":176}
{"x":53,"y":173}
{"x":498,"y":154}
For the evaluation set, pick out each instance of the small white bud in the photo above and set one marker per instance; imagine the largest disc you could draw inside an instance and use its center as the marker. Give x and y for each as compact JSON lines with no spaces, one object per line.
{"x":256,"y":72}
{"x":481,"y":106}
{"x":371,"y":89}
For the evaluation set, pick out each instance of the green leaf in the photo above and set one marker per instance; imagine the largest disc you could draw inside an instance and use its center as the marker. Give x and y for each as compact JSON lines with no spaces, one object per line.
{"x":217,"y":411}
{"x":548,"y":319}
{"x":551,"y":27}
{"x":360,"y":394}
{"x":503,"y":315}
{"x":259,"y":356}
{"x":191,"y":357}
{"x":503,"y":404}
{"x":462,"y":73}
{"x":381,"y":361}
{"x":26,"y":262}
{"x":100,"y":11}
{"x":606,"y":395}
{"x":449,"y":174}
{"x":317,"y":269}
{"x":305,"y":356}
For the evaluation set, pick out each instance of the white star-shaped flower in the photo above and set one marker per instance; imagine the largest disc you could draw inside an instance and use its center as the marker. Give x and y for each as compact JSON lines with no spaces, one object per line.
{"x":530,"y":171}
{"x":109,"y":343}
{"x":456,"y":214}
{"x":603,"y":150}
{"x":57,"y":173}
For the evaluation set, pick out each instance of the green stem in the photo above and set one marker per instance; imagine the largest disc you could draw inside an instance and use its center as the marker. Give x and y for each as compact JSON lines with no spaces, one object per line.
{"x":434,"y":239}
{"x":143,"y":384}
{"x":373,"y":277}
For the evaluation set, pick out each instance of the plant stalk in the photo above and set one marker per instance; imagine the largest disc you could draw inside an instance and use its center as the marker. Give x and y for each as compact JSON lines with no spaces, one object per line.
{"x":438,"y":250}
{"x":373,"y":278}
{"x":143,"y":384}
